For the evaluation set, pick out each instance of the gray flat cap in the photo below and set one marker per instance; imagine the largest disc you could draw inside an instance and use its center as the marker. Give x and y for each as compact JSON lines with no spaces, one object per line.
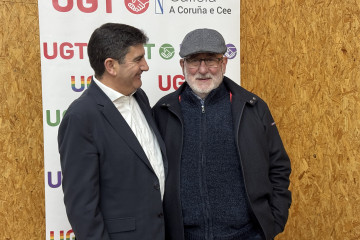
{"x":202,"y":41}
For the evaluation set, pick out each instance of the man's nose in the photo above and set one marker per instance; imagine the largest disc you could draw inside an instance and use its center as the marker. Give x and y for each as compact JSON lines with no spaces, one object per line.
{"x":144,"y":66}
{"x":203,"y":68}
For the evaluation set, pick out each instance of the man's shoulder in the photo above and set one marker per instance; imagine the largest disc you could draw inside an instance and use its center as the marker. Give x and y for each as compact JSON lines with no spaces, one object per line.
{"x":245,"y":94}
{"x":82,"y":106}
{"x":168,"y":99}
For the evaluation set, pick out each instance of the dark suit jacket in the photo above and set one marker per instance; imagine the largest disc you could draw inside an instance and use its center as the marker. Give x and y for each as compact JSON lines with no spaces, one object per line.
{"x":110,"y":188}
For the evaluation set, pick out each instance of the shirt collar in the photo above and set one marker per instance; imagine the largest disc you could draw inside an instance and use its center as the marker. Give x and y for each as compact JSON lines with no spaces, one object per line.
{"x":111,"y":93}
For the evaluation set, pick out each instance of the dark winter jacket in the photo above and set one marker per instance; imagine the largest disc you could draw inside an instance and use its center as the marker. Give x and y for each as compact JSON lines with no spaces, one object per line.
{"x":265,"y":164}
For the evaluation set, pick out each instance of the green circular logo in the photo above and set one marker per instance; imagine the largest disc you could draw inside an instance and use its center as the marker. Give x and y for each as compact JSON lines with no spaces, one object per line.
{"x":166,"y":51}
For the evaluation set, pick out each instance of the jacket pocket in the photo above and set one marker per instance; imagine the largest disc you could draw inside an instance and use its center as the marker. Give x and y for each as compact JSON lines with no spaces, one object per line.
{"x":116,"y":225}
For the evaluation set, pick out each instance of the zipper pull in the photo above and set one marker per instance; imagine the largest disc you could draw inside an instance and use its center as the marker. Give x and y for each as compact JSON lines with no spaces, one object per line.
{"x":202,"y":102}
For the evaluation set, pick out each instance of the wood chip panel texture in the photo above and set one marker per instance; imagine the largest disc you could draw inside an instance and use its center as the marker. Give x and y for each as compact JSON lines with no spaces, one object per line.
{"x":22,"y":205}
{"x":302,"y":57}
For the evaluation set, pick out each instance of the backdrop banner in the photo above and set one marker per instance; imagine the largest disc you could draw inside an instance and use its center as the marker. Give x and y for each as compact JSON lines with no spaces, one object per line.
{"x":65,"y":29}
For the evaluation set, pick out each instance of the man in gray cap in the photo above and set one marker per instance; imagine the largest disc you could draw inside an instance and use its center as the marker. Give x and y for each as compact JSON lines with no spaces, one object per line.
{"x":228,"y":172}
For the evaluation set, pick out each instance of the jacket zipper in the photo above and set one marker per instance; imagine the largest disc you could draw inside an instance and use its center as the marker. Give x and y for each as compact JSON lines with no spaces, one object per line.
{"x":202,"y":105}
{"x":208,"y":222}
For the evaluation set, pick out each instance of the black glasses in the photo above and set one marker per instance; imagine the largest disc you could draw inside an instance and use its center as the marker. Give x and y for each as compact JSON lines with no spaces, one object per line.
{"x":211,"y":62}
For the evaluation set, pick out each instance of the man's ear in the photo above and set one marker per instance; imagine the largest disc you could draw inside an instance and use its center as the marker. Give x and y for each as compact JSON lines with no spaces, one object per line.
{"x":110,"y":66}
{"x":182,"y":63}
{"x":224,"y":63}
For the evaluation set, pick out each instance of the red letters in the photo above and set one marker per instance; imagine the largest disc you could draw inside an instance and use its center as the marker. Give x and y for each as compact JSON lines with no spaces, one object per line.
{"x":81,"y":48}
{"x":168,"y":86}
{"x":81,"y":5}
{"x":108,"y":6}
{"x":94,"y":6}
{"x":176,"y":83}
{"x":66,"y":50}
{"x":70,"y":52}
{"x":66,"y":8}
{"x":54,"y":51}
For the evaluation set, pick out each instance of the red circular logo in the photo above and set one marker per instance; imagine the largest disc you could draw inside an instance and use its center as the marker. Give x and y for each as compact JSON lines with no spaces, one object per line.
{"x":137,"y":6}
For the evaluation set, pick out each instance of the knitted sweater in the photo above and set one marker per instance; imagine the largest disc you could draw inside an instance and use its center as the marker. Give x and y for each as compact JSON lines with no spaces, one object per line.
{"x":213,"y":197}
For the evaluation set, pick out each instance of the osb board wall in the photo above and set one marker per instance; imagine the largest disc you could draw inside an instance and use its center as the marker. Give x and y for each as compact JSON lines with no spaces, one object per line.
{"x":303,"y":57}
{"x":22,"y":205}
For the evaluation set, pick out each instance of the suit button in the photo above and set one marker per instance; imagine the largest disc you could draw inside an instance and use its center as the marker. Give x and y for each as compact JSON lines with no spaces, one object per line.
{"x":157,"y":186}
{"x":160,"y":215}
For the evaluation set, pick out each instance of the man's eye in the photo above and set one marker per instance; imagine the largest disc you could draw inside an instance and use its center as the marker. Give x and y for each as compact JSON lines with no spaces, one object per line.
{"x":210,"y":59}
{"x":193,"y":60}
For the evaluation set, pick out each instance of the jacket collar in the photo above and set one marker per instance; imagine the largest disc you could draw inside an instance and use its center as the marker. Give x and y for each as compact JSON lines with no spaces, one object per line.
{"x":211,"y":98}
{"x":108,"y":109}
{"x":238,"y":94}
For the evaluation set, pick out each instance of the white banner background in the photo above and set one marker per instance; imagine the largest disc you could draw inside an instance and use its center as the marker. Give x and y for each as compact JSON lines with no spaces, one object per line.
{"x":65,"y":28}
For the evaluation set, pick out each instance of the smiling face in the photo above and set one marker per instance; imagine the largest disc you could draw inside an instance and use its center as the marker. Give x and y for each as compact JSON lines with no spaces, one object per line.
{"x":203,"y":79}
{"x":128,"y":77}
{"x":125,"y":76}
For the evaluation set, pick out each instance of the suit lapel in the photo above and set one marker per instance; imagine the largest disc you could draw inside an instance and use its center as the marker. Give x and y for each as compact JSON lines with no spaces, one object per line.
{"x":116,"y":120}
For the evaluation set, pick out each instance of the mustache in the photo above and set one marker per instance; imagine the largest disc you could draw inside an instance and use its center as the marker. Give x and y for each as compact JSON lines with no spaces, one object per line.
{"x":208,"y":75}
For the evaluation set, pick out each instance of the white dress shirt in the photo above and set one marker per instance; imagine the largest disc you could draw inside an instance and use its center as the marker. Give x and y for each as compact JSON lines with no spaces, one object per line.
{"x":131,"y":112}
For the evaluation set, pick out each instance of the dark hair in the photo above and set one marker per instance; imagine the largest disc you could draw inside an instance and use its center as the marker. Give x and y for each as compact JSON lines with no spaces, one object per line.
{"x":112,"y":40}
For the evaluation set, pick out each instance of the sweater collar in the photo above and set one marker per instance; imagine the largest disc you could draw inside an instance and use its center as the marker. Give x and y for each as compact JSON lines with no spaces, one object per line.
{"x":212,"y":97}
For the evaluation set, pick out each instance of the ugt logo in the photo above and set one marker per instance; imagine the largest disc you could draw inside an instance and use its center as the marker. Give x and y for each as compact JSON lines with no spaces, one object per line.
{"x":166,"y":51}
{"x":137,"y":6}
{"x":231,"y":51}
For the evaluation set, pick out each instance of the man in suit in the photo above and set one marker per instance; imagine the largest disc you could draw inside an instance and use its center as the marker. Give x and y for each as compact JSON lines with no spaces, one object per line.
{"x":110,"y":149}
